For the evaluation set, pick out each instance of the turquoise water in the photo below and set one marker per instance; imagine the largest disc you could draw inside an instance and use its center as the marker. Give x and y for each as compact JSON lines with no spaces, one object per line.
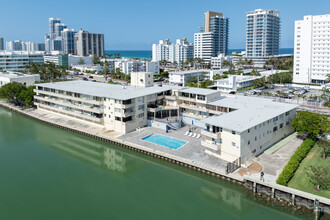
{"x":147,"y":54}
{"x":164,"y":141}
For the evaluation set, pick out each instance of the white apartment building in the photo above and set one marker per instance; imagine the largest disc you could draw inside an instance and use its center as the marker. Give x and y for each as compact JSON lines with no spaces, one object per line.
{"x":249,"y":126}
{"x":180,"y":78}
{"x":160,"y":51}
{"x":234,"y":83}
{"x":128,"y":66}
{"x":216,"y":62}
{"x":86,"y":67}
{"x":262,"y":33}
{"x":17,"y":60}
{"x":312,"y":49}
{"x":179,"y":52}
{"x":9,"y":77}
{"x":203,"y":45}
{"x":234,"y":128}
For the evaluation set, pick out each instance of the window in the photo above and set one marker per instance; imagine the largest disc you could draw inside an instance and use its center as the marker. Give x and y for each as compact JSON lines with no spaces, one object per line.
{"x":118,"y":118}
{"x":233,"y":144}
{"x":255,"y":138}
{"x":141,"y":115}
{"x":141,"y":107}
{"x":249,"y":142}
{"x":275,"y":129}
{"x":233,"y":132}
{"x":141,"y":99}
{"x":275,"y":119}
{"x":281,"y":125}
{"x":254,"y":151}
{"x":117,"y":110}
{"x":248,"y":130}
{"x":117,"y":101}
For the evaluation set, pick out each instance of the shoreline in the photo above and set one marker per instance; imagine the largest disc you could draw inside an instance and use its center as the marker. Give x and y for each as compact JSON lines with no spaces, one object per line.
{"x":280,"y":194}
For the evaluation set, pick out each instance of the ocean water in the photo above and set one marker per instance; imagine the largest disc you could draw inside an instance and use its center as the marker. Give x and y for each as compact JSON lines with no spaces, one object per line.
{"x":147,"y":54}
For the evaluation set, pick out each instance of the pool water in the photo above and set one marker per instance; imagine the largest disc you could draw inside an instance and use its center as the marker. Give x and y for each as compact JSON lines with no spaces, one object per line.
{"x":164,"y":141}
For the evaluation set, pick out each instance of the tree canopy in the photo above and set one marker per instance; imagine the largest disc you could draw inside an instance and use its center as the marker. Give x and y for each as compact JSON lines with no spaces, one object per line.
{"x":17,"y":93}
{"x":311,"y":124}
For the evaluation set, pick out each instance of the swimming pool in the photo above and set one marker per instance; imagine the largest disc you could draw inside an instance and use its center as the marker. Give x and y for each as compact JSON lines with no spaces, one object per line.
{"x":164,"y":141}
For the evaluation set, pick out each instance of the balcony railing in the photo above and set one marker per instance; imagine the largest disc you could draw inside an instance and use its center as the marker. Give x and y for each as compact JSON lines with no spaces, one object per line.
{"x":211,"y":134}
{"x":213,"y":146}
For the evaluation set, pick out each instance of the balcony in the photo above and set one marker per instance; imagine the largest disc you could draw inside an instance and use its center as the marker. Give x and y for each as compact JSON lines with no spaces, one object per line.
{"x":169,"y":97}
{"x":211,"y":134}
{"x":210,"y":145}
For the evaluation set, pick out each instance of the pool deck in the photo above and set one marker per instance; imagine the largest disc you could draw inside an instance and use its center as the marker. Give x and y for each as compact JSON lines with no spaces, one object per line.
{"x":193,"y":150}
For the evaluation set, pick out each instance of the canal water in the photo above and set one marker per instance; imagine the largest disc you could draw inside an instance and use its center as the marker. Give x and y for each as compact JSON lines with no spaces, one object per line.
{"x":49,"y":173}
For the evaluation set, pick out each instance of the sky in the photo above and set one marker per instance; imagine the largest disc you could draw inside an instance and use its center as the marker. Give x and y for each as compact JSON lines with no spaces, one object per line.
{"x":136,"y":25}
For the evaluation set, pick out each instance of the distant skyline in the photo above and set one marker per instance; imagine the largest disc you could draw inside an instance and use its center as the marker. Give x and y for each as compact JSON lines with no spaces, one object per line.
{"x":136,"y":25}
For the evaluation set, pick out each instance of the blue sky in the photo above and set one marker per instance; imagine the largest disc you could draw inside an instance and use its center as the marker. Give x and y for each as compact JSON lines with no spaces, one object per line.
{"x":132,"y":24}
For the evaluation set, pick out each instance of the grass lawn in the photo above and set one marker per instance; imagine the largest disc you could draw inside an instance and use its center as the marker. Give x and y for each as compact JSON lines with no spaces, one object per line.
{"x":300,"y":180}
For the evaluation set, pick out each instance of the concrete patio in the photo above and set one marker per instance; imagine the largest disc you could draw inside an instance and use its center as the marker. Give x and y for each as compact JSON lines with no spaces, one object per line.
{"x":193,"y":150}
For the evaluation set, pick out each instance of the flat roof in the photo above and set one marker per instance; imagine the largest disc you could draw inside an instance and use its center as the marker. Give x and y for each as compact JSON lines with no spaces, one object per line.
{"x":10,"y":74}
{"x":105,"y":90}
{"x":239,"y":78}
{"x":198,"y":91}
{"x":250,"y":112}
{"x":189,"y":72}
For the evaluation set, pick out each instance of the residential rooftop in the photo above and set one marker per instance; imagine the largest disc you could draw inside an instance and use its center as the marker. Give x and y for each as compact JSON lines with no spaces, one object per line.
{"x":105,"y":90}
{"x":239,"y":78}
{"x":189,"y":71}
{"x":11,"y":74}
{"x":250,"y":112}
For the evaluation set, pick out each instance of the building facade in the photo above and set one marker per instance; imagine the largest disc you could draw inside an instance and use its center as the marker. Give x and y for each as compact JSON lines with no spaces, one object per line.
{"x":213,"y":37}
{"x":234,"y":128}
{"x":312,"y":49}
{"x":2,"y":46}
{"x":234,"y":83}
{"x":68,"y":43}
{"x":262,"y":33}
{"x":178,"y":52}
{"x":9,"y":77}
{"x":89,"y":44}
{"x":17,"y":60}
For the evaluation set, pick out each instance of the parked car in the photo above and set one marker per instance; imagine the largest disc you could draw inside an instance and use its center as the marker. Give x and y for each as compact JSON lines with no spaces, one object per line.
{"x":85,"y":79}
{"x":91,"y":77}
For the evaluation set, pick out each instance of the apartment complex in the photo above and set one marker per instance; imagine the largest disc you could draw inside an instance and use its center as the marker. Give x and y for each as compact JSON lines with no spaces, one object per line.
{"x":17,"y":60}
{"x":234,"y":128}
{"x":180,"y":78}
{"x":128,"y":66}
{"x":212,"y":39}
{"x":9,"y":77}
{"x":262,"y":33}
{"x":234,"y":83}
{"x":312,"y":49}
{"x":18,"y":45}
{"x":89,"y":44}
{"x":179,"y":52}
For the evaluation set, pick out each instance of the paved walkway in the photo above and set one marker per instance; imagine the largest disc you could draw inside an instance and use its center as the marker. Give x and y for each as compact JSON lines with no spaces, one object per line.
{"x":272,"y":163}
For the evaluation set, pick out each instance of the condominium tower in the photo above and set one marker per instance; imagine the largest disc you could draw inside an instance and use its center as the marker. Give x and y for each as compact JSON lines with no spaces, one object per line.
{"x":312,"y":49}
{"x":68,"y":44}
{"x":2,"y":47}
{"x":212,"y":39}
{"x":179,"y":52}
{"x":262,"y":33}
{"x":89,"y":44}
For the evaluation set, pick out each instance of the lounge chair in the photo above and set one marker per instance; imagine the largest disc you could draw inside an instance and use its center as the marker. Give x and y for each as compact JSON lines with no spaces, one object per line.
{"x":187,"y":132}
{"x":194,"y":135}
{"x":198,"y":136}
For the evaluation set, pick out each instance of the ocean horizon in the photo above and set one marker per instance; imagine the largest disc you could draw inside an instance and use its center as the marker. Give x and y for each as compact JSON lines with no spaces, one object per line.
{"x":147,"y":54}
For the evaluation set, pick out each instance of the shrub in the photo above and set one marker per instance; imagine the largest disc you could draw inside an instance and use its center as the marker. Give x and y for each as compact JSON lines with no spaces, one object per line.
{"x":294,"y":162}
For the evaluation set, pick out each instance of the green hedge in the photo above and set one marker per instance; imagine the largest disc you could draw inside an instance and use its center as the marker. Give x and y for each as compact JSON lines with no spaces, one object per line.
{"x":294,"y":162}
